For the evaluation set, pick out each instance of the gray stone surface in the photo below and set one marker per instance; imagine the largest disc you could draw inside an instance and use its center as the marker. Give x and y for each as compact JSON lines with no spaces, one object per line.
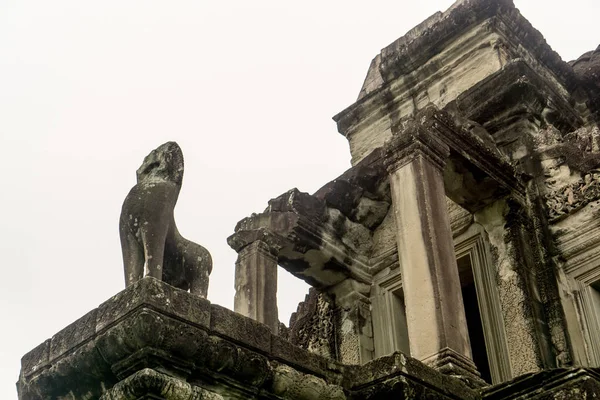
{"x":156,"y":347}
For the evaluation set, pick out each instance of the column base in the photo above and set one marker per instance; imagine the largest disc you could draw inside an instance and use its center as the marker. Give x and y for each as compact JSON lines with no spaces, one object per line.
{"x":449,"y":362}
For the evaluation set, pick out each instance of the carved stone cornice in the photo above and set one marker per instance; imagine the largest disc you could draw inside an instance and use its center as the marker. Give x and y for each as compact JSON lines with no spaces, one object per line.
{"x":452,"y":363}
{"x":462,"y":148}
{"x":579,"y":248}
{"x":390,"y":377}
{"x":262,"y":240}
{"x":413,"y":141}
{"x":474,"y":145}
{"x":558,"y":383}
{"x":294,"y":224}
{"x":149,"y":382}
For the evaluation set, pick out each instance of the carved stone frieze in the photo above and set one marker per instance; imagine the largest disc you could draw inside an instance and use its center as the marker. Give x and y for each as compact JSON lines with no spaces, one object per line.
{"x":312,"y":325}
{"x":568,"y":199}
{"x":570,"y":166}
{"x":149,"y":382}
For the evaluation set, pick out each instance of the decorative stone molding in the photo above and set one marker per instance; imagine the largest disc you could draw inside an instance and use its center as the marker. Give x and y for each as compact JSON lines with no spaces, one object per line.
{"x":155,"y":328}
{"x":293,"y":385}
{"x":449,"y":362}
{"x":414,"y":141}
{"x":148,"y":382}
{"x":270,"y":245}
{"x":259,"y":247}
{"x":559,"y":383}
{"x":302,"y":226}
{"x":392,"y":377}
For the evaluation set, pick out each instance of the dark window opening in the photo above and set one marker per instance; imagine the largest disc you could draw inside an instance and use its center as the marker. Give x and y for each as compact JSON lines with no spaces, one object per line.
{"x":400,"y":327}
{"x":474,"y":323}
{"x":595,"y":293}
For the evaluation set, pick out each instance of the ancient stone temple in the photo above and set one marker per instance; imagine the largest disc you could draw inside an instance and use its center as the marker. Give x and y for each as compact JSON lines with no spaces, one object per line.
{"x":459,"y":257}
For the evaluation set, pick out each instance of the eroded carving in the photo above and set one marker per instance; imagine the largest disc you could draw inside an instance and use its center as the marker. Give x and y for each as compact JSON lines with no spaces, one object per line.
{"x":150,"y":241}
{"x":149,"y":382}
{"x":293,"y":385}
{"x":312,"y":325}
{"x":570,"y":165}
{"x":574,"y":196}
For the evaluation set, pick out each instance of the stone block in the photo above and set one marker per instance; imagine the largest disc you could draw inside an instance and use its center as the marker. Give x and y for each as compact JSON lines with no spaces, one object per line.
{"x":36,"y":359}
{"x":81,"y":373}
{"x":149,"y":339}
{"x":73,"y":335}
{"x":150,"y":292}
{"x":150,"y":384}
{"x":283,"y":350}
{"x":240,"y":329}
{"x":402,"y":372}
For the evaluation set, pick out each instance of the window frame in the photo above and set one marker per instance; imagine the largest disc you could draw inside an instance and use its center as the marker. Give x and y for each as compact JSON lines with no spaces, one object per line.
{"x":472,"y":242}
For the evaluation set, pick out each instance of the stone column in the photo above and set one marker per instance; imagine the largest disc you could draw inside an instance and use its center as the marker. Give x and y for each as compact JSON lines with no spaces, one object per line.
{"x":256,"y":282}
{"x":437,"y":326}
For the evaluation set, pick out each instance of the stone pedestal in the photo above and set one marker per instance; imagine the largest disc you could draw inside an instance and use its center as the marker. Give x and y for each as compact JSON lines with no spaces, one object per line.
{"x":256,"y":283}
{"x":437,"y":326}
{"x":153,"y":341}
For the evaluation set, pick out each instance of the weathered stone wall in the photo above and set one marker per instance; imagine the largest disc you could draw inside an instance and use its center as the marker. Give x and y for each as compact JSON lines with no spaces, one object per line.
{"x":155,"y":341}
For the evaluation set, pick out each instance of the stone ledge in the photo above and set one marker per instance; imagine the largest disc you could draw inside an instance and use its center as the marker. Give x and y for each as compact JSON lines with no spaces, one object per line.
{"x":563,"y":383}
{"x":158,"y":341}
{"x":240,"y":329}
{"x":155,"y":294}
{"x":399,"y":373}
{"x":153,"y":339}
{"x":153,"y":325}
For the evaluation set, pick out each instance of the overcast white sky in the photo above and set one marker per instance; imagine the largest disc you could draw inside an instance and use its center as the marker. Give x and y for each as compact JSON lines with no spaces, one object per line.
{"x":247,"y":88}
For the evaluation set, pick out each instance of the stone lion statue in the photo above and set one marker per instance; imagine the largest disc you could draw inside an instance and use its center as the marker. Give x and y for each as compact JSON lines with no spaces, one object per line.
{"x":150,"y":240}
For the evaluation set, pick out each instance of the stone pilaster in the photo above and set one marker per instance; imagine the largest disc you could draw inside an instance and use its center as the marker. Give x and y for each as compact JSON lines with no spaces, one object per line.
{"x":516,"y":259}
{"x":353,"y":314}
{"x":437,"y":326}
{"x":256,"y":282}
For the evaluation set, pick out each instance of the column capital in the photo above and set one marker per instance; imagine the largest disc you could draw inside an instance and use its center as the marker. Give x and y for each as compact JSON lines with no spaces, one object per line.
{"x":261,"y":240}
{"x":256,"y":275}
{"x":414,"y":140}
